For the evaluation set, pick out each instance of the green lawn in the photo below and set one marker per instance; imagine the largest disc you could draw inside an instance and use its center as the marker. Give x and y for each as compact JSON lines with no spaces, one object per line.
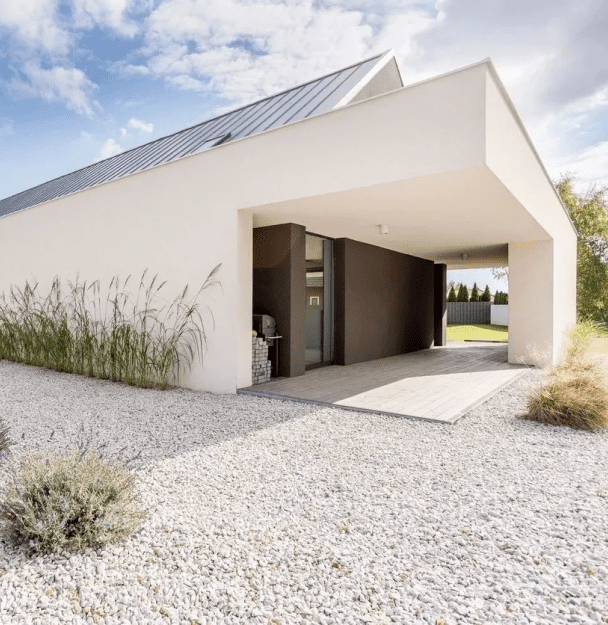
{"x":478,"y":332}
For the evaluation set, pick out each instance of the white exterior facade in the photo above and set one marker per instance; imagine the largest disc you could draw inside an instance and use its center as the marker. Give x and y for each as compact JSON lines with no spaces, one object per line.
{"x":446,"y":164}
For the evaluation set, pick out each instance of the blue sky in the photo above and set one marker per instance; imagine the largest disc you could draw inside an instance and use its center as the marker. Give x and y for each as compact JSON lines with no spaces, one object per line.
{"x":84,"y":79}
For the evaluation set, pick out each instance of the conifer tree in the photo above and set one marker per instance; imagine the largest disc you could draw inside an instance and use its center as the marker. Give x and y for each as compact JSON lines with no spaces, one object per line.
{"x":463,"y":294}
{"x":475,"y":293}
{"x":486,"y":296}
{"x":452,"y":295}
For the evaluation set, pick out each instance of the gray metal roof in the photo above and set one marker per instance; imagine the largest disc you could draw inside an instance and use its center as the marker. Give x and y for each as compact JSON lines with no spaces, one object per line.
{"x":312,"y":98}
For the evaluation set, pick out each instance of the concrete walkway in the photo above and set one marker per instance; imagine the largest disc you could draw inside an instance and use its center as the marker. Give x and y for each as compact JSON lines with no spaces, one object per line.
{"x":439,"y":384}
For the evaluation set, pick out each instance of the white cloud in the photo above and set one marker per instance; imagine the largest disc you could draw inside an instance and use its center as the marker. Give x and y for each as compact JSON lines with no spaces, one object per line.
{"x":43,"y":27}
{"x":36,"y":24}
{"x":140,"y":125}
{"x":67,"y":85}
{"x":106,"y":13}
{"x":124,"y":132}
{"x":244,"y":50}
{"x":110,"y":148}
{"x":128,"y":69}
{"x":590,"y":166}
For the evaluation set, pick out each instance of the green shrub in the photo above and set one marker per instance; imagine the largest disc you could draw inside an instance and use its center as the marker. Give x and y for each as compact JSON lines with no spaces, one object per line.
{"x":137,"y":340}
{"x":485,"y":296}
{"x":72,"y":502}
{"x":576,"y":393}
{"x":452,"y":295}
{"x":501,"y":298}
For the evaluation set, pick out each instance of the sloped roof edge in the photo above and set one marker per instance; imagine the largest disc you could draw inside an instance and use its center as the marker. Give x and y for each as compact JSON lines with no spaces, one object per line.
{"x":383,"y":61}
{"x":310,"y":98}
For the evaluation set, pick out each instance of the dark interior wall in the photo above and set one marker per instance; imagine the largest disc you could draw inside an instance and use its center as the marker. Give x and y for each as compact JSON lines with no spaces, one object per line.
{"x":441,"y":306}
{"x":279,"y":289}
{"x":384,"y":302}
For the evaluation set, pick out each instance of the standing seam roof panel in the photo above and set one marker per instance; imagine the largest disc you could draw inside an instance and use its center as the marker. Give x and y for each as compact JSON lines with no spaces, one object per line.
{"x":289,"y":115}
{"x":288,"y":105}
{"x":314,"y":97}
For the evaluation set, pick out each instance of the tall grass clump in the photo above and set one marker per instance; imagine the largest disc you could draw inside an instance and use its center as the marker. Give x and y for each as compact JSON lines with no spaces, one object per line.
{"x":576,"y":393}
{"x":72,"y":502}
{"x":141,"y":340}
{"x":5,"y":441}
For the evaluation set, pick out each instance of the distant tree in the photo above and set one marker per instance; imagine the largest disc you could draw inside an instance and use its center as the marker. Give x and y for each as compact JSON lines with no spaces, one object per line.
{"x":452,"y":294}
{"x":588,"y":213}
{"x":463,"y":294}
{"x":486,"y":296}
{"x":475,"y":293}
{"x":500,"y":273}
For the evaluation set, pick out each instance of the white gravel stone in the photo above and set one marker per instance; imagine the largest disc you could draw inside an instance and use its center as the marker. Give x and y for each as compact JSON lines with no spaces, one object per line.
{"x":265,"y":511}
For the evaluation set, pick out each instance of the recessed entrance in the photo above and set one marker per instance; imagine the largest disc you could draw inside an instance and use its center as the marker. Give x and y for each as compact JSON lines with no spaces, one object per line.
{"x":319,"y":301}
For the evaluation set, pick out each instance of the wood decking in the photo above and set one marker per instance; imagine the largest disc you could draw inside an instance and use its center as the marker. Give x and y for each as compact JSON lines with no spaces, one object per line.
{"x":439,"y":384}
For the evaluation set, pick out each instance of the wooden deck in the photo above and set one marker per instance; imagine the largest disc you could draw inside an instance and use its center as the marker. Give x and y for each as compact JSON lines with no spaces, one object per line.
{"x":439,"y":384}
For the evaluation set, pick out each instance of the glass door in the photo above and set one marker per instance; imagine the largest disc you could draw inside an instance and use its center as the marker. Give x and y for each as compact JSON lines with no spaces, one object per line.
{"x":319,"y":301}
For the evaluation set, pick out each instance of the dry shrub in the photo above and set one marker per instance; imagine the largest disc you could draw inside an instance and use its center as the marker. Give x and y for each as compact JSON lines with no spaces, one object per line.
{"x":72,"y":502}
{"x":576,"y":394}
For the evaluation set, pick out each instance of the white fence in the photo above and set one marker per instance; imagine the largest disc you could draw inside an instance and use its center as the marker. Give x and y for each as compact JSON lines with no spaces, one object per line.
{"x":499,"y":314}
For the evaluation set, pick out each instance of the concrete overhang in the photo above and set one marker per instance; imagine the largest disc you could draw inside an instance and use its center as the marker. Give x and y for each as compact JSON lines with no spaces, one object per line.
{"x":439,"y":217}
{"x":446,"y":164}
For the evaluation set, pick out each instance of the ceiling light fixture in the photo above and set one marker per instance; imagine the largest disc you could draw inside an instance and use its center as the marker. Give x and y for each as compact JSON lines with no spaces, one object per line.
{"x":465,"y":256}
{"x":383,"y":229}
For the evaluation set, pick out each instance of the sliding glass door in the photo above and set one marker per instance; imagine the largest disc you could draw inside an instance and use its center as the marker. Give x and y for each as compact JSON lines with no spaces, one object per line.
{"x":319,"y":301}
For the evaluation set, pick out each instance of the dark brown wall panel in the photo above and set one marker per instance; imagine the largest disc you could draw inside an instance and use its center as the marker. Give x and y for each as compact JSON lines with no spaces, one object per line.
{"x":384,"y":302}
{"x":279,"y":288}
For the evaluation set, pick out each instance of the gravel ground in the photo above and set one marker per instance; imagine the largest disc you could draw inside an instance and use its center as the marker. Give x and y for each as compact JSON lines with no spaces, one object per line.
{"x":276,"y":512}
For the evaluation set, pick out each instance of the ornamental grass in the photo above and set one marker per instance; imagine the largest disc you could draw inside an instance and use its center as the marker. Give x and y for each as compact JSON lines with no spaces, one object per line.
{"x":5,"y":441}
{"x":139,"y":340}
{"x":576,"y":393}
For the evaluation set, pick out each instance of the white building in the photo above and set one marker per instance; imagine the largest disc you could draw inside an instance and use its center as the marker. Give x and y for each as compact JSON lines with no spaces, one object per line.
{"x":445,"y":166}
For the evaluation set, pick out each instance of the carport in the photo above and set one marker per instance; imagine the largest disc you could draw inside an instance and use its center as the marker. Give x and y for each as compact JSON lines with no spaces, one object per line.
{"x":442,"y":172}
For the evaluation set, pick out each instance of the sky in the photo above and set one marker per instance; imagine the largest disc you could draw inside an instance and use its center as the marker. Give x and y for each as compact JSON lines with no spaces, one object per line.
{"x":81,"y":80}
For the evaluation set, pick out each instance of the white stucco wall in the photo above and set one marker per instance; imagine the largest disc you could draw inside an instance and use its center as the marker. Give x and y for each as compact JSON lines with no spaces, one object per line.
{"x":542,"y":273}
{"x":161,"y":220}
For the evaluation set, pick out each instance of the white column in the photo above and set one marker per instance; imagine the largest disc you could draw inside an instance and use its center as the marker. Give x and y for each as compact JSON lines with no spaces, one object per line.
{"x":542,"y":299}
